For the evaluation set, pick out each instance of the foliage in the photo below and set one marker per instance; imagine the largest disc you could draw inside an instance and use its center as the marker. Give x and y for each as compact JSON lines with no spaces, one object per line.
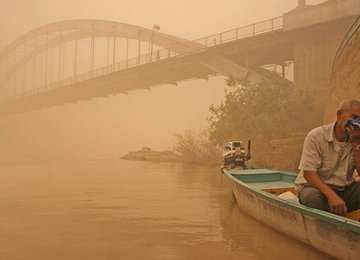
{"x":258,"y":110}
{"x":196,"y":147}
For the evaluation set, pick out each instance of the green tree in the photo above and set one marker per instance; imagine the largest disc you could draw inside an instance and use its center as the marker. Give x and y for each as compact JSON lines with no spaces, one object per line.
{"x":262,"y":110}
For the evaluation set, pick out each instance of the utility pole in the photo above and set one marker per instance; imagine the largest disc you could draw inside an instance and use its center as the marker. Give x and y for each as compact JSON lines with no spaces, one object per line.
{"x":155,"y":27}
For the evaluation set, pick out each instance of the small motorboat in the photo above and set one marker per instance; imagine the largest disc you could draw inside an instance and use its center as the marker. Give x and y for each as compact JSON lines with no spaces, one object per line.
{"x":269,"y":196}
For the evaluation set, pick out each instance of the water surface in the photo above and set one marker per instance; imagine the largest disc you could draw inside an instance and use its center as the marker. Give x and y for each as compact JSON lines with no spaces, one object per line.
{"x":129,"y":210}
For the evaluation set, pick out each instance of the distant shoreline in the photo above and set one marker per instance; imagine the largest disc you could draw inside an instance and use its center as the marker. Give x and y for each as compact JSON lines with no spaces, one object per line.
{"x":146,"y":154}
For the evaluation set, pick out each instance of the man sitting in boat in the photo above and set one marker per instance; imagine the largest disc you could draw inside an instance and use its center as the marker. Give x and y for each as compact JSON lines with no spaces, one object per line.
{"x":331,"y":153}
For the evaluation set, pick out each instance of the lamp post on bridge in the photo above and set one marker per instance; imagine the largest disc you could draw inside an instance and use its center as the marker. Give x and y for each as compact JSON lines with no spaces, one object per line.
{"x":301,"y":3}
{"x":151,"y":44}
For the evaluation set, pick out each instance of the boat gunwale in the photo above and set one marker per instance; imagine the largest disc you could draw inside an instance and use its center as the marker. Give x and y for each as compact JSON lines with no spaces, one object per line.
{"x":318,"y":214}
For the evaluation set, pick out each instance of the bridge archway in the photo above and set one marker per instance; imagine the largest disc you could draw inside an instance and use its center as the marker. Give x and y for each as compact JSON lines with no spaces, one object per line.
{"x":39,"y":41}
{"x":28,"y":69}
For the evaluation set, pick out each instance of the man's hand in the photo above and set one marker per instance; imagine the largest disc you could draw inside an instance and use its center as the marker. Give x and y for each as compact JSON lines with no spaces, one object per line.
{"x":337,"y":205}
{"x":354,"y":133}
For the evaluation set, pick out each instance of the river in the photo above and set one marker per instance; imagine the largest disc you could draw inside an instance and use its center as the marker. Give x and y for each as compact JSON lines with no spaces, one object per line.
{"x":114,"y":209}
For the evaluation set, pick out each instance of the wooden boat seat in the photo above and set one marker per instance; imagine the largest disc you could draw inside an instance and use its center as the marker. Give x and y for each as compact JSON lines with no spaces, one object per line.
{"x":354,"y":215}
{"x":278,"y":191}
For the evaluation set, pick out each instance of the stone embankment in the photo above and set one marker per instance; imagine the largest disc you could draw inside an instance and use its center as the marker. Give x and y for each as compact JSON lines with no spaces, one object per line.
{"x":345,"y":76}
{"x":146,"y":154}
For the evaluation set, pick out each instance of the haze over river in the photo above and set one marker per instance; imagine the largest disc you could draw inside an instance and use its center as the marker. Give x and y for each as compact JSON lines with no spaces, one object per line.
{"x":113,"y":209}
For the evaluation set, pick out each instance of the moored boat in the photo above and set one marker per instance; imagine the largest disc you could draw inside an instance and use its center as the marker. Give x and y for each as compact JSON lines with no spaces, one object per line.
{"x":260,"y":193}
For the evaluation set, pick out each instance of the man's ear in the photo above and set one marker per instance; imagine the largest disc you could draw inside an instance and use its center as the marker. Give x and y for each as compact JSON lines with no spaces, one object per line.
{"x":338,"y":113}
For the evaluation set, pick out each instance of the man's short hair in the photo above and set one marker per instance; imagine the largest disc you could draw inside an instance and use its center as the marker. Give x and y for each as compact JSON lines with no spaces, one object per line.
{"x":348,"y":104}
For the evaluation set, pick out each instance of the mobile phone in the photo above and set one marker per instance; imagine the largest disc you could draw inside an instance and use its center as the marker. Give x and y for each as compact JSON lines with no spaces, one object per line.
{"x":350,"y":122}
{"x":353,"y":122}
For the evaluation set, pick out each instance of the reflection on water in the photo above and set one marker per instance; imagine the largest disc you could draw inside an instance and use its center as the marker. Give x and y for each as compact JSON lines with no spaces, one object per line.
{"x":129,"y":210}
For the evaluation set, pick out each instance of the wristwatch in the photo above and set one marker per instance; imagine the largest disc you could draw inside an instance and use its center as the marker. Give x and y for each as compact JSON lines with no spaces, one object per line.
{"x":357,"y":148}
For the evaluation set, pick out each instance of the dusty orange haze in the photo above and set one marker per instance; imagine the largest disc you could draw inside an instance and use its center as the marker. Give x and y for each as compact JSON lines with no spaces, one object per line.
{"x":110,"y":127}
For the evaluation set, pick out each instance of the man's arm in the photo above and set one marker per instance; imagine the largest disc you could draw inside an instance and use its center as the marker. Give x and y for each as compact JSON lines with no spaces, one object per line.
{"x":355,"y":142}
{"x":357,"y":159}
{"x":336,"y":204}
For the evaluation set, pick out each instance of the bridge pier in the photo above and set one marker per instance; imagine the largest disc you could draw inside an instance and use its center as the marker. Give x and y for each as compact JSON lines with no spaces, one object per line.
{"x":315,"y":39}
{"x":313,"y":56}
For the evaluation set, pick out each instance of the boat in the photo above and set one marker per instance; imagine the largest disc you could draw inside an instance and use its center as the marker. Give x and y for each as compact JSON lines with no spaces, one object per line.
{"x":269,"y":196}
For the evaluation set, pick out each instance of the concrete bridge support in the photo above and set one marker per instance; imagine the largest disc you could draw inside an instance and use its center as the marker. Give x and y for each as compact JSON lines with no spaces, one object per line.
{"x":316,"y":38}
{"x":313,"y":58}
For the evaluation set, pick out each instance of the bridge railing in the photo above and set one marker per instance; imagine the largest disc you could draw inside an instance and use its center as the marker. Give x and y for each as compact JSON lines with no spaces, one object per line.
{"x":102,"y":71}
{"x":205,"y":42}
{"x":242,"y":32}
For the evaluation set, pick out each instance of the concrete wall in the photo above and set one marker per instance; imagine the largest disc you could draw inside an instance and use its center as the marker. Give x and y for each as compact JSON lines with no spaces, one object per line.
{"x":345,"y":78}
{"x":282,"y":154}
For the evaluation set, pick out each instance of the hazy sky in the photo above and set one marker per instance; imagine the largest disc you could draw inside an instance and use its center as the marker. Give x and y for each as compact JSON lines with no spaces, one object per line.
{"x":112,"y":126}
{"x":186,"y":18}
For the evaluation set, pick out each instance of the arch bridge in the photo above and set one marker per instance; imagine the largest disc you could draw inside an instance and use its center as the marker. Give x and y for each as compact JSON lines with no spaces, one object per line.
{"x":82,"y":59}
{"x":77,"y":60}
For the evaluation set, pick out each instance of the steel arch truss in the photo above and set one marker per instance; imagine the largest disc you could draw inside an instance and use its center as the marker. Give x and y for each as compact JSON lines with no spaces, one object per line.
{"x":27,"y":48}
{"x":37,"y":41}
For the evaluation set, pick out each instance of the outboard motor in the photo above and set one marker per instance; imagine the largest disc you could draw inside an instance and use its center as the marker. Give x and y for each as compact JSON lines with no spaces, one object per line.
{"x":235,"y":155}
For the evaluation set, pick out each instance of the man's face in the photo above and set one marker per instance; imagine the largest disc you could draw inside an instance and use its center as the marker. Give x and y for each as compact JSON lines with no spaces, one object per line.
{"x":346,"y":114}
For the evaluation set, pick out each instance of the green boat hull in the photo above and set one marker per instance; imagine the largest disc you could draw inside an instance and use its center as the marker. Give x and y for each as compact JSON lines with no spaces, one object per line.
{"x":334,"y":235}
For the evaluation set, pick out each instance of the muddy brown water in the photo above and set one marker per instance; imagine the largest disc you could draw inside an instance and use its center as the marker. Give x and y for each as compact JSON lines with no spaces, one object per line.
{"x":114,"y":209}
